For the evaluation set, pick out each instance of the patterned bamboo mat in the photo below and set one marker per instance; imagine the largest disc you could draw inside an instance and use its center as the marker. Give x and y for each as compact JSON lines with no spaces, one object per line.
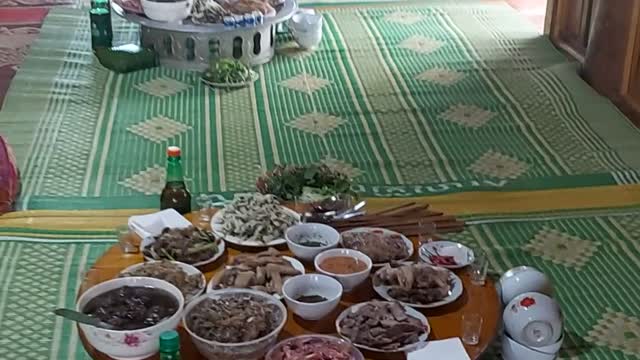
{"x":441,"y":98}
{"x":592,"y":259}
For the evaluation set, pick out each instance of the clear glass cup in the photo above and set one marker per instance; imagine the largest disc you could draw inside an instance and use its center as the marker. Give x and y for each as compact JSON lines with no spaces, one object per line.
{"x":471,"y":328}
{"x":478,"y":267}
{"x":128,"y":240}
{"x":203,"y":217}
{"x":426,"y":229}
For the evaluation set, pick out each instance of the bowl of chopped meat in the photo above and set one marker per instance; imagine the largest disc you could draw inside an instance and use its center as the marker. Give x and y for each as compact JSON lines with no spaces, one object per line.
{"x":232,"y":324}
{"x":314,"y":347}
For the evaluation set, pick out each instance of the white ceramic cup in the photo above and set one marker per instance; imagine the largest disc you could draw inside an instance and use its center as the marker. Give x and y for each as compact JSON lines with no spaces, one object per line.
{"x":307,"y":29}
{"x":348,"y":281}
{"x":312,"y":284}
{"x":327,"y":234}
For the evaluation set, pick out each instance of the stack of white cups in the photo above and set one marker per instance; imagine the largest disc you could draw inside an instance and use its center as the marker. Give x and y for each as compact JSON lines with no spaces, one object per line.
{"x":306,"y":28}
{"x":533,"y":322}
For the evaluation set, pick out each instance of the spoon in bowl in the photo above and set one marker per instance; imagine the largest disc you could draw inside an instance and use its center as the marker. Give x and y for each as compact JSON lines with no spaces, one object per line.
{"x":83,"y":318}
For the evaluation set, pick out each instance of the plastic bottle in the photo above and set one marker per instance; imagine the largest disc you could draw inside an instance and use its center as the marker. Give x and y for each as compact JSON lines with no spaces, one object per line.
{"x":170,"y":345}
{"x":101,"y":31}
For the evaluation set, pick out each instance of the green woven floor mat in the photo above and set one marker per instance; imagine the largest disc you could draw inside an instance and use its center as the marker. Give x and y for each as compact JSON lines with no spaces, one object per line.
{"x":445,"y":97}
{"x":593,"y":261}
{"x":37,"y":278}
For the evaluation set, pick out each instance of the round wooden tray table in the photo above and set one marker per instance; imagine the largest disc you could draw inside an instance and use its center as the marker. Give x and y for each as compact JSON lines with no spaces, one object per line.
{"x":445,"y":321}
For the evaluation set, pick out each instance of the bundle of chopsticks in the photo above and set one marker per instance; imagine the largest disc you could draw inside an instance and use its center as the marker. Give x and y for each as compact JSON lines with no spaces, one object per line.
{"x":410,"y":219}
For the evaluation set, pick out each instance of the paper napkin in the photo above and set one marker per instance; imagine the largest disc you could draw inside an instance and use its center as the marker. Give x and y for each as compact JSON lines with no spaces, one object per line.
{"x":449,"y":349}
{"x":152,"y":224}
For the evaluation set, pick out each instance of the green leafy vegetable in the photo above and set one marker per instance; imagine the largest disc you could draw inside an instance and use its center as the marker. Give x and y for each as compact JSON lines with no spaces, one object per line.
{"x":310,"y":183}
{"x":227,"y":71}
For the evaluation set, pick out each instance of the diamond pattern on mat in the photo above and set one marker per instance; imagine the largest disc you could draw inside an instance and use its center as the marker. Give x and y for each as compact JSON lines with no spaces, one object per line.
{"x":404,"y":18}
{"x":158,"y":128}
{"x":343,"y":167}
{"x":149,"y":181}
{"x":561,"y":248}
{"x":440,"y":76}
{"x":468,"y":115}
{"x":306,"y":83}
{"x":293,"y":50}
{"x":499,"y":166}
{"x":162,"y":86}
{"x":27,"y":324}
{"x":421,"y":44}
{"x":317,"y":123}
{"x":617,"y":331}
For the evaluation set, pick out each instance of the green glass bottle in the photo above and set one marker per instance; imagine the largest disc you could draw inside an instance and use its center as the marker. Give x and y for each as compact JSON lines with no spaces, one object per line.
{"x":101,"y":31}
{"x":170,"y":345}
{"x":175,"y":194}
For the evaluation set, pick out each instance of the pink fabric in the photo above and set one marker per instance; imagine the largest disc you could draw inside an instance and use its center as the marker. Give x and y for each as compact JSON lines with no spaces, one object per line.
{"x":9,"y":177}
{"x":19,"y":27}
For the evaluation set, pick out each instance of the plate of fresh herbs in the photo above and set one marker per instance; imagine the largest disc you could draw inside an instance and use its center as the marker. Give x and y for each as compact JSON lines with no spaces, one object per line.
{"x":305,"y":183}
{"x":229,"y":74}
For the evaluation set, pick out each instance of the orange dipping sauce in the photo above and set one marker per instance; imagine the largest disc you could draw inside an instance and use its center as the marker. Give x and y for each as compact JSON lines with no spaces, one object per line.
{"x":342,"y":265}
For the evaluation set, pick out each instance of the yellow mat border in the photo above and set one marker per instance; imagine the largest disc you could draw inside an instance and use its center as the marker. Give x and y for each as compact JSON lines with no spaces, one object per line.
{"x":469,"y":203}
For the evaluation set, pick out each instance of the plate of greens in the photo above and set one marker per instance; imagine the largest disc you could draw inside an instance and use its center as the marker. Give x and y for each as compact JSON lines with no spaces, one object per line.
{"x":229,"y":74}
{"x":307,"y":183}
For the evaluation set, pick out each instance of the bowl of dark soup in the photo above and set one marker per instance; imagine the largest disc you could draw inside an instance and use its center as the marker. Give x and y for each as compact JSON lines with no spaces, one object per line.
{"x":140,"y":309}
{"x":312,"y":296}
{"x":307,"y":240}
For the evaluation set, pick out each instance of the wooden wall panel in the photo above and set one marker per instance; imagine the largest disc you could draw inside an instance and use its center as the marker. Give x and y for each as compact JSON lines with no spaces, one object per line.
{"x":604,"y":35}
{"x":571,"y":25}
{"x":631,"y":82}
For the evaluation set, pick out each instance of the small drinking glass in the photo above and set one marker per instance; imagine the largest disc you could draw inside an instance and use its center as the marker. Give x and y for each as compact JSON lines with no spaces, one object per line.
{"x":425,"y":231}
{"x":471,"y":328}
{"x":128,"y":240}
{"x":478,"y":267}
{"x":203,"y":217}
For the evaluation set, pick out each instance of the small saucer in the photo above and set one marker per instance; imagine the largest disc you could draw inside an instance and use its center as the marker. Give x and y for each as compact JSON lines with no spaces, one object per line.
{"x":446,"y":254}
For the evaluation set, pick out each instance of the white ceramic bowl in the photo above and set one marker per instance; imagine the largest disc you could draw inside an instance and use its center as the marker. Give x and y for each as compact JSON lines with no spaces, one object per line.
{"x":348,"y":281}
{"x":523,"y":279}
{"x":533,"y":320}
{"x":129,"y":344}
{"x":190,"y":270}
{"x":312,"y":284}
{"x":248,"y":350}
{"x":167,"y":11}
{"x":550,"y":349}
{"x":325,"y":234}
{"x":512,"y":350}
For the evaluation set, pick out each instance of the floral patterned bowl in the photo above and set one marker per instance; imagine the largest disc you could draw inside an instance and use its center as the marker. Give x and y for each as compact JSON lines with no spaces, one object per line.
{"x":533,"y":320}
{"x":129,"y":344}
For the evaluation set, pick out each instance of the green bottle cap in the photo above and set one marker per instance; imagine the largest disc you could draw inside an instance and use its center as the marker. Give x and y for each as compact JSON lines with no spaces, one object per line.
{"x":169,"y":341}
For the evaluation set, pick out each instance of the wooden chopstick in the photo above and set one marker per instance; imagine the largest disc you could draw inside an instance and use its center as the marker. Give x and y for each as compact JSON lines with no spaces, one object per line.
{"x":393,"y":208}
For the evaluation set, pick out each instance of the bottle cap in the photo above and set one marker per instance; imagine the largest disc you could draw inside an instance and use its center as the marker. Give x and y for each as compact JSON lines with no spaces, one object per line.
{"x":169,"y":341}
{"x":173,"y":151}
